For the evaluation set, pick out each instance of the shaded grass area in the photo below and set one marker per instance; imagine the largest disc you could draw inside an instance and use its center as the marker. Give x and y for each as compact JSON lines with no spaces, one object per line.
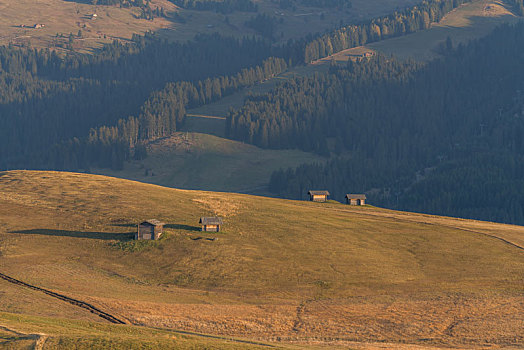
{"x":77,"y":234}
{"x":203,"y":161}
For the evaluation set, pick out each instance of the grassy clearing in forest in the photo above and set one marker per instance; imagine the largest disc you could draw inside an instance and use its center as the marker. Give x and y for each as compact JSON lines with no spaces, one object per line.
{"x":204,"y":161}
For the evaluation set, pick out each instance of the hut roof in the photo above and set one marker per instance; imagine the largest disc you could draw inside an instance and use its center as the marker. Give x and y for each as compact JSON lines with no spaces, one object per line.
{"x":211,"y":221}
{"x":153,"y":222}
{"x":355,"y":196}
{"x":318,"y":193}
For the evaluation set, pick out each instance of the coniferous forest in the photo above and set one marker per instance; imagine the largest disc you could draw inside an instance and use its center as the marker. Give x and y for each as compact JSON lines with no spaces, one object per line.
{"x":222,"y":6}
{"x":444,"y":137}
{"x":50,"y":104}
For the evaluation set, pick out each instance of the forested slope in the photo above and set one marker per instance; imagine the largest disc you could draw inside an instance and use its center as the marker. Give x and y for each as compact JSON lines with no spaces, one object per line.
{"x":445,"y":137}
{"x":49,"y":99}
{"x":79,"y":111}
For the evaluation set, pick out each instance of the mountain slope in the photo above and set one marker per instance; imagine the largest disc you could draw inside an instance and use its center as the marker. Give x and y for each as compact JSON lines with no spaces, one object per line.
{"x":288,"y":269}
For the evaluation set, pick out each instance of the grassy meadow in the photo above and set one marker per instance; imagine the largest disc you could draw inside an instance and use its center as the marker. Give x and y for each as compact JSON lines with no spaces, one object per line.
{"x":34,"y":332}
{"x":60,"y":18}
{"x":282,"y":271}
{"x":204,"y":161}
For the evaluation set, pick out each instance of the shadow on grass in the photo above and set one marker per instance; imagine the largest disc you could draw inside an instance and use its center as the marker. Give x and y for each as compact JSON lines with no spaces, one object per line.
{"x":171,"y":226}
{"x":125,"y":225}
{"x":78,"y":234}
{"x":183,"y":227}
{"x":204,"y":238}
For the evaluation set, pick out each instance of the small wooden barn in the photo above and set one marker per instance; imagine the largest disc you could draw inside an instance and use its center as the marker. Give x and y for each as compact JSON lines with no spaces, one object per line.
{"x":211,"y":224}
{"x":356,"y":199}
{"x":318,"y":196}
{"x":150,"y":229}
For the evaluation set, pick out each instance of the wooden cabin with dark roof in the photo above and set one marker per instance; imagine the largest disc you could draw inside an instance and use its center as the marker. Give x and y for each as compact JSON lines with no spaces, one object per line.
{"x":150,"y":229}
{"x":211,"y":224}
{"x":356,"y":199}
{"x":318,"y":196}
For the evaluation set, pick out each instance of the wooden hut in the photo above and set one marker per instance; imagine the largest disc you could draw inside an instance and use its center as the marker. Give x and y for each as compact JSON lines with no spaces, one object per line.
{"x":211,"y":224}
{"x":318,"y":196}
{"x":150,"y":229}
{"x":356,"y":199}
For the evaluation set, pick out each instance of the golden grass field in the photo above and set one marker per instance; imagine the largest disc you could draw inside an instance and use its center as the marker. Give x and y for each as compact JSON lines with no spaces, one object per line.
{"x":291,"y":273}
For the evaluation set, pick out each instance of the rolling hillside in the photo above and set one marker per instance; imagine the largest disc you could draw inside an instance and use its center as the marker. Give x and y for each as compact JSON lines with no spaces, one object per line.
{"x":281,"y":271}
{"x":204,"y":161}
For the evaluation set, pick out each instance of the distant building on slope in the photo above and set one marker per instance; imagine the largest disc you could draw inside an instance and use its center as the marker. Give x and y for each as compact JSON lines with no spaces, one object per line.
{"x":211,"y":224}
{"x":356,"y":199}
{"x":318,"y":196}
{"x":150,"y":229}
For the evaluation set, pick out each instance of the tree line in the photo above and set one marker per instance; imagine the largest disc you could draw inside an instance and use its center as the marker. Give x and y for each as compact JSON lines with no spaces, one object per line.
{"x":292,"y":4}
{"x":222,"y":6}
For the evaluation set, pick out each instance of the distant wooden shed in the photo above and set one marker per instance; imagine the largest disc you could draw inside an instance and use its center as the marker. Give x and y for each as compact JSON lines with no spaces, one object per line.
{"x":356,"y":199}
{"x":318,"y":196}
{"x":150,"y":229}
{"x":211,"y":224}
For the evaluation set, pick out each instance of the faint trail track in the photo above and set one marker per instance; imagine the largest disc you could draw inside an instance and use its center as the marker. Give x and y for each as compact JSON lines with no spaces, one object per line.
{"x":39,"y":344}
{"x":39,"y":338}
{"x":75,"y":302}
{"x":448,"y":226}
{"x":251,"y":342}
{"x":408,"y":218}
